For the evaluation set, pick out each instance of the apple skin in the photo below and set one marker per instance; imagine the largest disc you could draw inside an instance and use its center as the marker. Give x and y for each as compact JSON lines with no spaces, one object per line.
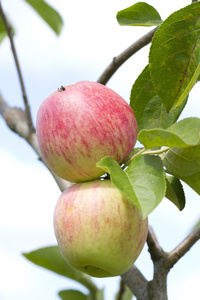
{"x":78,"y":125}
{"x":99,"y":232}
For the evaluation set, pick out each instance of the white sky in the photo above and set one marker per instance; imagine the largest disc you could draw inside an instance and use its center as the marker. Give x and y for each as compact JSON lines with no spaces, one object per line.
{"x":90,"y":39}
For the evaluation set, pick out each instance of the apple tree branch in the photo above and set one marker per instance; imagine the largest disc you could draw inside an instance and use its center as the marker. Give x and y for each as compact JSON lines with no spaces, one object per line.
{"x":124,"y":56}
{"x":184,"y":246}
{"x":163,"y":262}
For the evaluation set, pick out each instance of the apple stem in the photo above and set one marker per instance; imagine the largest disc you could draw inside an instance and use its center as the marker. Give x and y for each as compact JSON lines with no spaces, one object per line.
{"x":144,"y":151}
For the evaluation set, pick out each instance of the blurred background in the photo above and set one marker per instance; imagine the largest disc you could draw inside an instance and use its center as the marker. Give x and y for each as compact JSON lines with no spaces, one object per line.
{"x":91,"y":37}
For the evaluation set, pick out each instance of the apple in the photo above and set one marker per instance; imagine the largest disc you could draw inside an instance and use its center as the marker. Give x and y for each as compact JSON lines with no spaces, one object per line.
{"x":79,"y":124}
{"x":99,"y":232}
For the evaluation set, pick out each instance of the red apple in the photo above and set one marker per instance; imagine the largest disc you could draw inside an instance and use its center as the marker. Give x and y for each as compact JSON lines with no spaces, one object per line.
{"x":98,"y":230}
{"x":80,"y":124}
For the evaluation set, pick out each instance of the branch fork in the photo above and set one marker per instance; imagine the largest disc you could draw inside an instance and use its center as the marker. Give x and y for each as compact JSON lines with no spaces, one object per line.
{"x":163,"y":262}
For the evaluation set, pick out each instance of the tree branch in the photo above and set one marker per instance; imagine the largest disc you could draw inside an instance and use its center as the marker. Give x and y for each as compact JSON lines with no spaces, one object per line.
{"x":125,"y":55}
{"x":184,"y":246}
{"x":157,"y":288}
{"x":10,"y":35}
{"x":16,"y":120}
{"x":136,"y":282}
{"x":163,"y":261}
{"x":153,"y":246}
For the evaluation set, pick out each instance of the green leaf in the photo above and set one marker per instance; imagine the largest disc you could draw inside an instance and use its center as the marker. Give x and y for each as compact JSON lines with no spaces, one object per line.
{"x":48,"y":14}
{"x":119,"y":179}
{"x":51,"y":259}
{"x":174,"y":57}
{"x":3,"y":32}
{"x":139,"y":14}
{"x":175,"y":192}
{"x":72,"y":295}
{"x":142,"y":183}
{"x":184,"y":163}
{"x":181,"y":134}
{"x":127,"y":294}
{"x":147,"y":177}
{"x":99,"y":295}
{"x":148,"y":108}
{"x":197,"y":224}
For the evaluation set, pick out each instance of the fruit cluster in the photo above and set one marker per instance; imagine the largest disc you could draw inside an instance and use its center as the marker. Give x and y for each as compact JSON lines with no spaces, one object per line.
{"x":98,"y":231}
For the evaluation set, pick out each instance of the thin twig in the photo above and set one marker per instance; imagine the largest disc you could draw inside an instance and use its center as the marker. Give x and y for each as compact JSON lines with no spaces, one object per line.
{"x":10,"y":35}
{"x":125,"y":55}
{"x":184,"y":246}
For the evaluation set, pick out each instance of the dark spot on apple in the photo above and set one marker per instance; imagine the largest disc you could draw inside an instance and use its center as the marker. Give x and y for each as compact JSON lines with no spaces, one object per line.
{"x":61,"y":89}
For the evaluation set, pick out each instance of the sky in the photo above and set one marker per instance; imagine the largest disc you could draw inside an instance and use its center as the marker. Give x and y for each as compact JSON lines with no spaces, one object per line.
{"x":91,"y":37}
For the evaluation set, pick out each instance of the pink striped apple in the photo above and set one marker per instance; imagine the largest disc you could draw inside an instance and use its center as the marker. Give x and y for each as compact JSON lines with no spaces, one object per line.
{"x":98,"y":230}
{"x":80,"y":124}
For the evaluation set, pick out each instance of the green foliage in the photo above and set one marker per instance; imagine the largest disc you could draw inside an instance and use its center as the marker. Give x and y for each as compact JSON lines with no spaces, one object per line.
{"x":77,"y":295}
{"x":184,"y":163}
{"x":184,"y":133}
{"x":3,"y":32}
{"x":174,"y":58}
{"x":139,"y":14}
{"x":126,"y":295}
{"x":142,"y":183}
{"x":148,"y":108}
{"x":158,"y":97}
{"x":72,"y":295}
{"x":197,"y":224}
{"x":119,"y":179}
{"x":99,"y":295}
{"x":175,"y":192}
{"x":48,"y":14}
{"x":51,"y":259}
